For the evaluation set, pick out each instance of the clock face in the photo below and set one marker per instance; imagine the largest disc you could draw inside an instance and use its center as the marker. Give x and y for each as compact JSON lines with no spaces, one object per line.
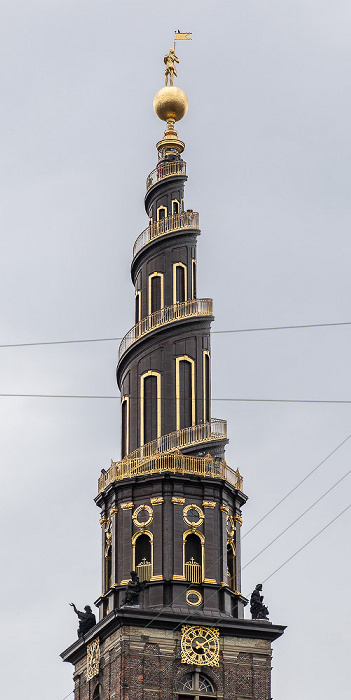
{"x":200,"y":646}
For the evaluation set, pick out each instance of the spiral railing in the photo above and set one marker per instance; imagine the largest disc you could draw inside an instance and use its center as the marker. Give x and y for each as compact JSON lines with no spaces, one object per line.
{"x":176,"y":222}
{"x":163,"y":170}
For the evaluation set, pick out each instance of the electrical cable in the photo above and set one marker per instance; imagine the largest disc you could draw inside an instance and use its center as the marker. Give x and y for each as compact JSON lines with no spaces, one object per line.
{"x":296,"y":520}
{"x":87,"y":396}
{"x":67,"y":696}
{"x":235,"y":330}
{"x":297,"y":486}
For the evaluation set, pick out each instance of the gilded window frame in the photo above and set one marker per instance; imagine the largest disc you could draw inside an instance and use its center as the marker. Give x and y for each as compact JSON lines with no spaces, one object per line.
{"x":201,"y":537}
{"x":150,"y":373}
{"x":185,"y":358}
{"x":156,"y":274}
{"x":127,"y":400}
{"x":204,"y":378}
{"x":134,"y":539}
{"x":175,"y":265}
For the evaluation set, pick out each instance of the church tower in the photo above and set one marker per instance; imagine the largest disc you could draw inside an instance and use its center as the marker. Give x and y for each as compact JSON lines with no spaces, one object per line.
{"x":171,"y":612}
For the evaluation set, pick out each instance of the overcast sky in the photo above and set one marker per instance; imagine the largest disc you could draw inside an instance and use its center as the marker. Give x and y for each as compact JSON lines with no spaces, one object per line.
{"x":268,"y":156}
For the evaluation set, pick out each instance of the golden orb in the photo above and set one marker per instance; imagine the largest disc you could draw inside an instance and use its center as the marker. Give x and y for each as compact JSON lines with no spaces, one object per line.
{"x":171,"y":103}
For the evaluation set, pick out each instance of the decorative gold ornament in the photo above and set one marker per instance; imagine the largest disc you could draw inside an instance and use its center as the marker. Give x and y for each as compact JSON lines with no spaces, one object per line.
{"x":142,"y":509}
{"x":200,"y":646}
{"x":93,"y":659}
{"x":103,"y":520}
{"x":193,"y":515}
{"x":230,"y":526}
{"x":127,"y":506}
{"x":224,"y":508}
{"x":178,"y":501}
{"x":238,"y":519}
{"x":194,"y":598}
{"x":113,"y":510}
{"x":157,"y":501}
{"x":208,"y":504}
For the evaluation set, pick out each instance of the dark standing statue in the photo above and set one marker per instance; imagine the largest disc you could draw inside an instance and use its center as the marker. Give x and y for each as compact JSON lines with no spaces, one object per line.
{"x":87,"y":619}
{"x":133,"y":589}
{"x":257,"y":609}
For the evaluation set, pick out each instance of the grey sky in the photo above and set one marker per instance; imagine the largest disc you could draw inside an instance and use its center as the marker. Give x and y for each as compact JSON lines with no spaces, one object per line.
{"x":268,"y":156}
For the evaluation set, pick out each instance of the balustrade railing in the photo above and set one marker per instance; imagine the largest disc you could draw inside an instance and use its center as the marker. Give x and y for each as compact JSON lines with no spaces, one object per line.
{"x":163,"y":170}
{"x":144,"y":570}
{"x":174,"y":462}
{"x":187,"y":309}
{"x":193,"y":572}
{"x":176,"y":222}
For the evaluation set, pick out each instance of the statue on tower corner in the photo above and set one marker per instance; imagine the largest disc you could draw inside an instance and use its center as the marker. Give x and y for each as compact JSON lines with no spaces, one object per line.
{"x":258,"y":610}
{"x":170,"y":59}
{"x":87,"y":619}
{"x":133,"y":589}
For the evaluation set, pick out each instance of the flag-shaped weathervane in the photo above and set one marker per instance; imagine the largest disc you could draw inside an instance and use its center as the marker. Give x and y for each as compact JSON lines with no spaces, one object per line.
{"x":185,"y":36}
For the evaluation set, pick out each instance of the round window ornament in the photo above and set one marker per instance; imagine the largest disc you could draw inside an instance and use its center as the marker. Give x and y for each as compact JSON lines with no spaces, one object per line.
{"x":193,"y":515}
{"x":142,"y":515}
{"x":194,"y":598}
{"x":230,"y":526}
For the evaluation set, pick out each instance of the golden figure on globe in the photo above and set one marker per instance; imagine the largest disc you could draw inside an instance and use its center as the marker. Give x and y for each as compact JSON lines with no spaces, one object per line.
{"x":170,"y":59}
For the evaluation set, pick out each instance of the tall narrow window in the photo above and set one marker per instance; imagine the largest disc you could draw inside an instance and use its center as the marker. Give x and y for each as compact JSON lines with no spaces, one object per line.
{"x":193,"y":279}
{"x":108,"y":568}
{"x":156,"y":301}
{"x":179,"y":283}
{"x":175,"y":206}
{"x":137,"y":307}
{"x":193,"y":558}
{"x":150,"y":406}
{"x":161,"y":213}
{"x":206,"y":385}
{"x":125,"y":426}
{"x":185,"y":392}
{"x":143,"y":557}
{"x":97,"y":695}
{"x":231,"y":566}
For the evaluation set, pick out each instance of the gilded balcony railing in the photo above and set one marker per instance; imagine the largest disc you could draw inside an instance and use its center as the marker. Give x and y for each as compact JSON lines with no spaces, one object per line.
{"x":144,"y":570}
{"x":205,"y":467}
{"x":163,"y":170}
{"x":176,"y":222}
{"x":193,"y":571}
{"x":169,"y":314}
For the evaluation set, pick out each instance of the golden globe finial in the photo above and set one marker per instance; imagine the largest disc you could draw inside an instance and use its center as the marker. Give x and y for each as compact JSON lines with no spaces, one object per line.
{"x":170,"y":105}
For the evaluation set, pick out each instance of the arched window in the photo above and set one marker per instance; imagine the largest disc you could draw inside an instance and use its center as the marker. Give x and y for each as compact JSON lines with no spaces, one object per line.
{"x":199,"y":685}
{"x":150,"y":406}
{"x":193,"y":279}
{"x":156,"y":294}
{"x":125,"y":426}
{"x":108,"y":568}
{"x":143,"y":557}
{"x":231,"y":578}
{"x":185,"y":392}
{"x":206,"y":385}
{"x":179,"y":283}
{"x":137,"y":307}
{"x":161,"y":213}
{"x":193,"y":558}
{"x":175,"y":206}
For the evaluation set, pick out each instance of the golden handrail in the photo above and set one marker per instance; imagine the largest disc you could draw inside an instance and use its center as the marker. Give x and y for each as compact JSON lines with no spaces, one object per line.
{"x":176,"y":463}
{"x":163,"y":170}
{"x":187,"y":309}
{"x":176,"y":222}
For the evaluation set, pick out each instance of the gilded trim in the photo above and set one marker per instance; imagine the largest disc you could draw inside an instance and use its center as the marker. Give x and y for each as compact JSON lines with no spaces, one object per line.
{"x":150,"y":373}
{"x":138,"y":510}
{"x":158,"y":212}
{"x":193,"y":278}
{"x":134,"y":539}
{"x":178,"y":501}
{"x":157,"y":501}
{"x":159,"y":577}
{"x":156,"y":274}
{"x":205,"y":353}
{"x":113,"y":510}
{"x":209,"y":504}
{"x":210,"y":580}
{"x":175,"y":265}
{"x":138,"y":294}
{"x":178,"y":578}
{"x":128,"y":505}
{"x":178,"y":202}
{"x":238,"y":519}
{"x":195,"y":593}
{"x":224,"y":508}
{"x":185,"y":358}
{"x":125,"y":399}
{"x":202,"y":540}
{"x":124,"y":582}
{"x":199,"y":512}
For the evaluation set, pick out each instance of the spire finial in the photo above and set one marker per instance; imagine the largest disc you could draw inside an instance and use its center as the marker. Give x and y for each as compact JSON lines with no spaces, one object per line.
{"x":170,"y":105}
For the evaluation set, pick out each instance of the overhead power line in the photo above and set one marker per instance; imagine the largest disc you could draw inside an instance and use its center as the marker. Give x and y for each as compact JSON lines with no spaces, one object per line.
{"x":297,"y":485}
{"x":105,"y":396}
{"x":296,"y":520}
{"x":235,"y":330}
